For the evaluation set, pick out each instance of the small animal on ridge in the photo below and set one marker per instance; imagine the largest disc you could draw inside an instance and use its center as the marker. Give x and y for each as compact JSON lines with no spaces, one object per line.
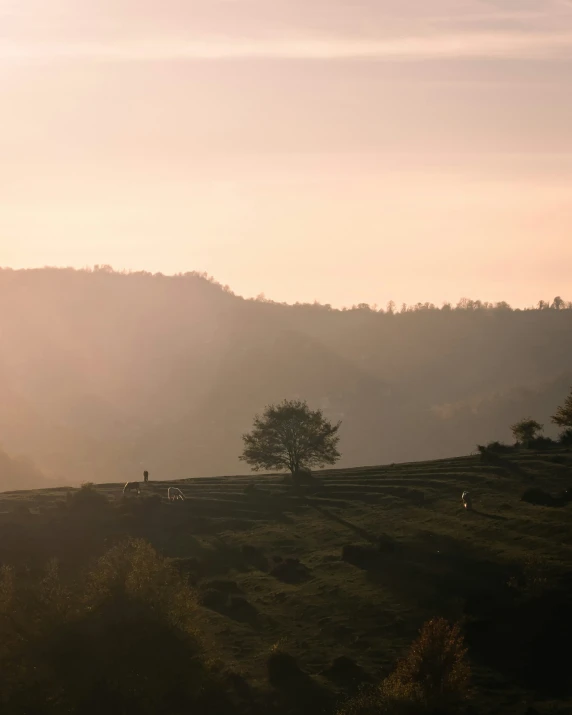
{"x":132,"y":487}
{"x":467,"y":500}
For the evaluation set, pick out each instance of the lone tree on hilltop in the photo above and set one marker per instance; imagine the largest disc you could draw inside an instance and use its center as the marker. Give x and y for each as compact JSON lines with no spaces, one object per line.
{"x":526,"y":430}
{"x":291,"y":436}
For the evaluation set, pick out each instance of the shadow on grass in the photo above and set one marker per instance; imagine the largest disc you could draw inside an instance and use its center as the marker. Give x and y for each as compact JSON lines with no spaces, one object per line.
{"x":435,"y":571}
{"x":521,"y":636}
{"x":525,"y":641}
{"x":484,"y":515}
{"x":345,"y":672}
{"x":299,"y":692}
{"x":517,"y":470}
{"x":367,"y":535}
{"x":240,"y":610}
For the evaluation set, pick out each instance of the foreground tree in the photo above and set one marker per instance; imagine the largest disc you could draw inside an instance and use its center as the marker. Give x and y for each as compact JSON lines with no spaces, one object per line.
{"x":120,"y":638}
{"x":526,"y":430}
{"x":291,"y":436}
{"x":434,"y":677}
{"x":563,"y":416}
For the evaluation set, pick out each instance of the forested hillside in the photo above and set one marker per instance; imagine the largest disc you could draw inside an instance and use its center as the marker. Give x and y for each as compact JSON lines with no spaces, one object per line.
{"x":104,"y":374}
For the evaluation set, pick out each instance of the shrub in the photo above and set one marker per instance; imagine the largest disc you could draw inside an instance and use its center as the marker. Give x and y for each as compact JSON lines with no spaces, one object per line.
{"x":433,"y":677}
{"x":435,"y":672}
{"x":526,"y":431}
{"x":538,"y":497}
{"x":87,"y":498}
{"x":566,"y":438}
{"x":121,"y":638}
{"x":290,"y":571}
{"x":499,"y":447}
{"x":541,"y":443}
{"x":492,"y":452}
{"x":368,"y":702}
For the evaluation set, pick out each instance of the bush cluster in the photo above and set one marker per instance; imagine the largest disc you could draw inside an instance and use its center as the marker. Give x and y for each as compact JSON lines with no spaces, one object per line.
{"x":121,"y":638}
{"x":433,"y":678}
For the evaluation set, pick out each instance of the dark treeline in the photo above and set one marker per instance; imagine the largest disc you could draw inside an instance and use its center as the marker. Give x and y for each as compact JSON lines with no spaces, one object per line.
{"x":104,"y":374}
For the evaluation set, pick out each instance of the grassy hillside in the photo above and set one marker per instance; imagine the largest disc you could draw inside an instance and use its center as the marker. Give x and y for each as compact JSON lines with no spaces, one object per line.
{"x":105,"y":374}
{"x":350,"y":565}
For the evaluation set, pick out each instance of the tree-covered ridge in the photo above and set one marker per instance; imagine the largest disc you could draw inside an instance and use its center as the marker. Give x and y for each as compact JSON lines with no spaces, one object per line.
{"x":104,"y":374}
{"x":203,"y":277}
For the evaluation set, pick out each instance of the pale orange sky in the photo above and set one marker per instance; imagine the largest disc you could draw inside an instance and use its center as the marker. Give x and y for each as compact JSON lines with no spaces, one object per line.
{"x":309,"y":149}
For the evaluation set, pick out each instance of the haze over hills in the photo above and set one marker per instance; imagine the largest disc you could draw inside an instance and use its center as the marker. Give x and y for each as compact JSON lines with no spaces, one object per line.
{"x":105,"y":374}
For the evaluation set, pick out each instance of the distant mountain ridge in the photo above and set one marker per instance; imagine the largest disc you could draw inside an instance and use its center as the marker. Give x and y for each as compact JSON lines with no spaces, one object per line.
{"x":104,"y":374}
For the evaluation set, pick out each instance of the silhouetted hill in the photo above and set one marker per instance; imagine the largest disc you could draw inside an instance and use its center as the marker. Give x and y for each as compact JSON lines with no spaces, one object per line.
{"x":19,"y":473}
{"x":104,"y":374}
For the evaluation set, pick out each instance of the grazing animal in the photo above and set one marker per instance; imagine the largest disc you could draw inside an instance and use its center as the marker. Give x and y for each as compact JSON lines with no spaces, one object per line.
{"x":132,"y":487}
{"x":467,"y":500}
{"x":174,"y":494}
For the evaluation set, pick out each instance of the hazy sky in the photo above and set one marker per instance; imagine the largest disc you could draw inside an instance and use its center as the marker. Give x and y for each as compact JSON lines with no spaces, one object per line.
{"x":344,"y":150}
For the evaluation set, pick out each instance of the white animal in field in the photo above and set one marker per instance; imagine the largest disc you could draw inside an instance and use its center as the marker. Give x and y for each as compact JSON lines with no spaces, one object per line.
{"x":467,"y":500}
{"x":175,"y":494}
{"x":132,"y":487}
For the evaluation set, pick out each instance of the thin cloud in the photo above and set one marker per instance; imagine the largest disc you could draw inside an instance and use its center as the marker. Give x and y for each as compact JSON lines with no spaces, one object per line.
{"x":460,"y":45}
{"x":499,"y":16}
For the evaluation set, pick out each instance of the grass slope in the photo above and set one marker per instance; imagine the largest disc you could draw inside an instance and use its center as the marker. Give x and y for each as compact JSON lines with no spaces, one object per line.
{"x":350,"y":565}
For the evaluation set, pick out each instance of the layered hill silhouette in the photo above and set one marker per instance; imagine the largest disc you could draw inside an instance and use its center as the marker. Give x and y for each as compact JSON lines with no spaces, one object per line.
{"x":104,"y":374}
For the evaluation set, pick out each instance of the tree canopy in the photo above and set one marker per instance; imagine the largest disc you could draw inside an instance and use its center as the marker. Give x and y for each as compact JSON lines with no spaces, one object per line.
{"x":563,"y":416}
{"x":526,"y":430}
{"x":291,"y":436}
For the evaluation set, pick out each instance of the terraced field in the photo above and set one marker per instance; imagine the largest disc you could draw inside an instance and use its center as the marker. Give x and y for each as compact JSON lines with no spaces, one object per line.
{"x":350,"y":564}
